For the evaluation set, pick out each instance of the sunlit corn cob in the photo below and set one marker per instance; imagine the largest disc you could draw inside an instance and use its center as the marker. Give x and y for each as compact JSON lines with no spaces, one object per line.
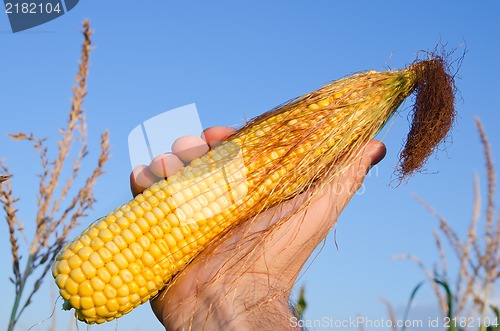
{"x":127,"y":257}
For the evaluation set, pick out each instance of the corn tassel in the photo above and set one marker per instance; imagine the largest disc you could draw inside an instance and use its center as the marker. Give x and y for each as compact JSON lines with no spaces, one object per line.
{"x":127,"y":257}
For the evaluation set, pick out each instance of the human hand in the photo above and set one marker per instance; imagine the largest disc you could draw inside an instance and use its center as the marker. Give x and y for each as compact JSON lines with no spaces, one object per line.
{"x":244,"y":281}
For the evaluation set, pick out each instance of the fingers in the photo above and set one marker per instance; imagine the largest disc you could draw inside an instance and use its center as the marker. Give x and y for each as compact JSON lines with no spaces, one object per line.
{"x":184,"y":150}
{"x":214,"y":135}
{"x":141,"y":178}
{"x":165,"y":165}
{"x":188,"y":148}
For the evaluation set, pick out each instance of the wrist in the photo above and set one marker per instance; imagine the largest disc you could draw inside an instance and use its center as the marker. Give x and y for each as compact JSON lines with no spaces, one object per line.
{"x":229,"y":313}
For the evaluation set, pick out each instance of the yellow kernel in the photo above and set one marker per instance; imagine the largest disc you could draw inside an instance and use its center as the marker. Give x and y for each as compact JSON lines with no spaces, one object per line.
{"x":111,"y":246}
{"x":127,"y":253}
{"x":313,"y":106}
{"x":138,"y":211}
{"x":157,"y":270}
{"x":165,"y":209}
{"x":165,"y":226}
{"x":74,"y":301}
{"x":116,"y":281}
{"x":128,"y":236}
{"x":136,"y":250}
{"x":144,"y":242}
{"x":96,"y":260}
{"x":120,"y":261}
{"x":145,"y":207}
{"x":85,"y":289}
{"x":156,"y":231}
{"x":185,"y":230}
{"x":123,"y":291}
{"x":71,"y":286}
{"x":123,"y":301}
{"x":63,"y":267}
{"x":99,"y":298}
{"x":143,"y":225}
{"x":74,"y":261}
{"x":119,"y":242}
{"x":173,"y":220}
{"x":136,"y":230}
{"x":134,"y":268}
{"x":210,"y":196}
{"x":151,"y":286}
{"x":65,"y":254}
{"x":198,"y":217}
{"x":104,"y":275}
{"x":152,"y":201}
{"x":154,"y":250}
{"x":111,"y":217}
{"x":92,"y":232}
{"x":61,"y":280}
{"x":101,"y":310}
{"x":215,"y":207}
{"x":178,"y":255}
{"x":130,"y":216}
{"x":162,"y":245}
{"x":126,"y":276}
{"x":105,"y":235}
{"x":147,"y":193}
{"x":102,"y":223}
{"x":77,"y":275}
{"x":140,"y":280}
{"x":186,"y":209}
{"x":200,"y":238}
{"x":133,"y":288}
{"x":88,"y":269}
{"x":207,"y":212}
{"x":112,"y":268}
{"x":112,"y":305}
{"x":65,"y":294}
{"x":105,"y":254}
{"x":150,"y":218}
{"x":171,"y":203}
{"x":176,"y":232}
{"x":323,"y":103}
{"x":160,"y":196}
{"x":109,"y":291}
{"x":114,"y":228}
{"x":147,"y":259}
{"x":86,"y":303}
{"x":169,"y":239}
{"x":84,"y":239}
{"x":124,"y":208}
{"x":157,"y":213}
{"x":143,"y":292}
{"x":87,"y":312}
{"x":97,"y":284}
{"x":96,"y":243}
{"x":148,"y":275}
{"x":184,"y":246}
{"x":191,"y":241}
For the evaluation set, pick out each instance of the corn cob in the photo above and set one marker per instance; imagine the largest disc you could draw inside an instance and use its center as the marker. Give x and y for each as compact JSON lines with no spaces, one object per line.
{"x":127,"y":257}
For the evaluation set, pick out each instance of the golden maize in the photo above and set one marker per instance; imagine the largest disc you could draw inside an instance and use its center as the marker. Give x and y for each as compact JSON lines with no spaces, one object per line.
{"x":127,"y":257}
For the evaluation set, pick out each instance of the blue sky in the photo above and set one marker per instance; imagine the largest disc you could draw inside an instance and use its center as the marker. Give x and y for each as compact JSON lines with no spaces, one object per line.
{"x":236,"y":60}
